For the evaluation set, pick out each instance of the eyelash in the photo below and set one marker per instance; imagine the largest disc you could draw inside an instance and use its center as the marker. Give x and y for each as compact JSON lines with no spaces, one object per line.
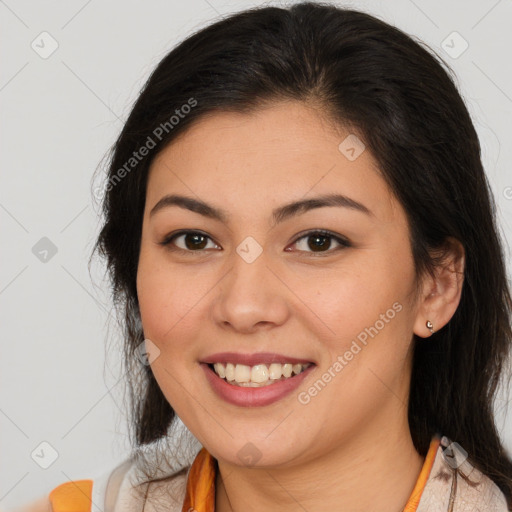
{"x":322,"y":232}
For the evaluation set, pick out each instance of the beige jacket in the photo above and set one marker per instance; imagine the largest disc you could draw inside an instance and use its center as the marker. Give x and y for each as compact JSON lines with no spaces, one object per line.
{"x":453,"y":485}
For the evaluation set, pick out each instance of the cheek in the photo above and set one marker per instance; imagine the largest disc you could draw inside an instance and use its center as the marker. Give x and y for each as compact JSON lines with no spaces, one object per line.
{"x":172,"y":301}
{"x":367,"y":309}
{"x":162,"y":299}
{"x":353,"y":298}
{"x":167,"y":313}
{"x":367,"y":359}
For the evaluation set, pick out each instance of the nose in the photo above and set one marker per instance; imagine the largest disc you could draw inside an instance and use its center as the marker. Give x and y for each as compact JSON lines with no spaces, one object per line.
{"x":251,"y":297}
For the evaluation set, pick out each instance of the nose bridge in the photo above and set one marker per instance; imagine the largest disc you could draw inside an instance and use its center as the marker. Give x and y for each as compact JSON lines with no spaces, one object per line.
{"x":249,"y":250}
{"x":250,"y":293}
{"x":250,"y":268}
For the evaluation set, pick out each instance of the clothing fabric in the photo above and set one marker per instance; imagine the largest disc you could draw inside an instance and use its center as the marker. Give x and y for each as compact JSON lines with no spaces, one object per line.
{"x":447,"y":483}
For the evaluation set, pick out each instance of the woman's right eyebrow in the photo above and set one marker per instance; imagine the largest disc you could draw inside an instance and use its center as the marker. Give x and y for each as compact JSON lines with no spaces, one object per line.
{"x":279,"y":214}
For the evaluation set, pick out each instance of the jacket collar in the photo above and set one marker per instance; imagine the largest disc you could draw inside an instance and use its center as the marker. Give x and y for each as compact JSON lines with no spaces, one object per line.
{"x":447,"y":483}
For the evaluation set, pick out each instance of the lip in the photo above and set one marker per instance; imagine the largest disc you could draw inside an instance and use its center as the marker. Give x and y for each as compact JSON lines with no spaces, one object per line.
{"x":254,"y":397}
{"x":252,"y":359}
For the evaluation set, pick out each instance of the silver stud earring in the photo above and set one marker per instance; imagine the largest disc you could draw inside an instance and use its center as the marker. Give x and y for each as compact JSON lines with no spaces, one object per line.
{"x":430,"y":326}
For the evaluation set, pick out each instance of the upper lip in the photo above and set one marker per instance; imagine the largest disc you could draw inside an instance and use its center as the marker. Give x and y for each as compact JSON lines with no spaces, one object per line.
{"x":252,"y":359}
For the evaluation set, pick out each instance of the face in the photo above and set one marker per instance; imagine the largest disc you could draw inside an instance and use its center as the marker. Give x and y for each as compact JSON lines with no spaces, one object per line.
{"x":328,"y":283}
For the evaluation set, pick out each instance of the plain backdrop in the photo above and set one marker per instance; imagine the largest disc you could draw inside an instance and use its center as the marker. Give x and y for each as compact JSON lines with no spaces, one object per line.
{"x":70,"y":72}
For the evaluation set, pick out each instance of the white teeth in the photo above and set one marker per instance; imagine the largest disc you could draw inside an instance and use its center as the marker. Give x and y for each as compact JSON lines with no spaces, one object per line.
{"x":297,"y":368}
{"x":230,"y":371}
{"x":274,"y":371}
{"x":287,"y":370}
{"x":242,"y":373}
{"x":219,"y":369}
{"x":258,"y":375}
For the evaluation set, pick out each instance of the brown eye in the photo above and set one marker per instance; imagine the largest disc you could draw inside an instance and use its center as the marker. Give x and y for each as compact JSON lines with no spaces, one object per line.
{"x":320,"y":242}
{"x":194,"y":241}
{"x":188,"y":241}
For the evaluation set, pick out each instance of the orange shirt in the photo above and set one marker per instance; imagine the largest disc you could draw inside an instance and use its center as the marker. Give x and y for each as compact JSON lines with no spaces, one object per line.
{"x":76,"y":496}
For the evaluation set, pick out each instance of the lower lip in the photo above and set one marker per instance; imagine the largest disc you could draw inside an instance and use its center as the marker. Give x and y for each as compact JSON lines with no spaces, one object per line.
{"x":254,"y":397}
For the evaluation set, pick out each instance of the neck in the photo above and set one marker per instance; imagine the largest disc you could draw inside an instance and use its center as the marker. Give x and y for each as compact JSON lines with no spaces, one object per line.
{"x":376,"y":468}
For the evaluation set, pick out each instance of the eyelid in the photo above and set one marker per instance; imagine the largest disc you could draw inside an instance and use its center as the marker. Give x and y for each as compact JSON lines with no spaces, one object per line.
{"x":168,"y":239}
{"x":342,"y":241}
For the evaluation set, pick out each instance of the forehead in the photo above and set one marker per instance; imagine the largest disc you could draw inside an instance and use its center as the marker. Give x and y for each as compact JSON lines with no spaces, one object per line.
{"x":285,"y":151}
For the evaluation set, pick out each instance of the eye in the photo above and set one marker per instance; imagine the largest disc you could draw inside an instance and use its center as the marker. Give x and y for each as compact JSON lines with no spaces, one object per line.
{"x":191,"y":241}
{"x":317,"y":241}
{"x":320,"y":241}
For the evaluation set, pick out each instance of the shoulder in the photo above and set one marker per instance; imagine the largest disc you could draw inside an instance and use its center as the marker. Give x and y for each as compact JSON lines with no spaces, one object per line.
{"x":43,"y":504}
{"x":153,"y":478}
{"x":131,"y":492}
{"x":454,"y":482}
{"x":123,"y":489}
{"x":75,"y":495}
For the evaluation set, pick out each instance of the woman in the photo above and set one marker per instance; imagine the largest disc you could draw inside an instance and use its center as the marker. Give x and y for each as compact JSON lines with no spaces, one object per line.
{"x":302,"y":244}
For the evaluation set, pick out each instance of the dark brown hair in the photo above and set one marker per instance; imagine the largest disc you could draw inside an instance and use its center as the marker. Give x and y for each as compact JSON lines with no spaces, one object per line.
{"x":401,"y":99}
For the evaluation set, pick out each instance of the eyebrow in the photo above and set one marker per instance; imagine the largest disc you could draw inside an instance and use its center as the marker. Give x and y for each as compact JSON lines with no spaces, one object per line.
{"x":278,"y":215}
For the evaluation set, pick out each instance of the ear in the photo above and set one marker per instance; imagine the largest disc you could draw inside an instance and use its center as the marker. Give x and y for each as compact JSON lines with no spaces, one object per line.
{"x":440,"y":294}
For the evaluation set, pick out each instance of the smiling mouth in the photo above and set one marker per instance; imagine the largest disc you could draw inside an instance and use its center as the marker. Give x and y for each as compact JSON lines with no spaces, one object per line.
{"x":259,"y":375}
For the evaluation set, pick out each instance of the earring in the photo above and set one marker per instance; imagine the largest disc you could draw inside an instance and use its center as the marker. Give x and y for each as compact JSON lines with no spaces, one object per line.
{"x":430,"y":326}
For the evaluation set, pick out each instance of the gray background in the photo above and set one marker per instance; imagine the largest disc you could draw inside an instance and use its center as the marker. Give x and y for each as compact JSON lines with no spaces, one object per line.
{"x":59,"y":383}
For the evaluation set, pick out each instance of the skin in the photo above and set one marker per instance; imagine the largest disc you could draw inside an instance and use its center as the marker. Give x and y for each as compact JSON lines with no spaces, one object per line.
{"x":350,"y":447}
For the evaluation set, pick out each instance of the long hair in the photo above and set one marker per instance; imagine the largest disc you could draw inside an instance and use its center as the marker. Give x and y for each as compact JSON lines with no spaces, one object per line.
{"x":401,"y":99}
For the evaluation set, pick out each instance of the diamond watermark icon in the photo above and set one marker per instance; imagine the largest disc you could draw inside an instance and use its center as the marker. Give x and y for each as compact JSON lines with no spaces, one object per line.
{"x":454,"y":45}
{"x":352,"y":147}
{"x":45,"y":45}
{"x":249,"y":249}
{"x":147,"y":352}
{"x":454,"y":454}
{"x":44,"y":250}
{"x":249,"y":454}
{"x":44,"y":455}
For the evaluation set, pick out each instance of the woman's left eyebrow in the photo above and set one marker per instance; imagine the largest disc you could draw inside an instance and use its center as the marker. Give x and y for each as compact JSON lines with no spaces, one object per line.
{"x":278,"y":215}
